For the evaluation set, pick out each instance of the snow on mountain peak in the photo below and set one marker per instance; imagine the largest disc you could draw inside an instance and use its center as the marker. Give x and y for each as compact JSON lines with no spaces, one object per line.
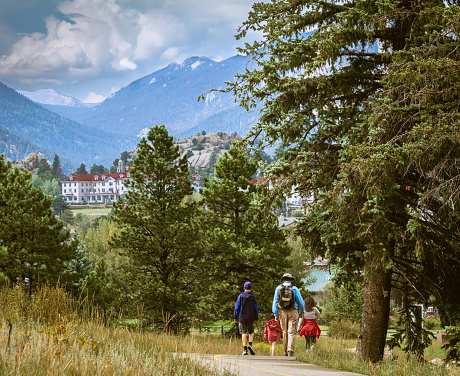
{"x":196,"y":64}
{"x":51,"y":97}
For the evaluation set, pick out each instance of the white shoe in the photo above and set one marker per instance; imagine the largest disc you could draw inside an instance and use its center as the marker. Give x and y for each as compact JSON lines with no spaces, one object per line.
{"x":306,"y":350}
{"x":312,"y":347}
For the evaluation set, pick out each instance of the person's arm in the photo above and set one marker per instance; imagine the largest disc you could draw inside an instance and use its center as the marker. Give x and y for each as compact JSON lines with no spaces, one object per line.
{"x":317,"y":312}
{"x":299,"y":300}
{"x":275,"y":303}
{"x":237,"y":309}
{"x":256,"y":310}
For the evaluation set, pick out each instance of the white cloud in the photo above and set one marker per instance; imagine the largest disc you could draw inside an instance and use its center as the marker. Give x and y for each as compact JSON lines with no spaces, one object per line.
{"x":170,"y":53}
{"x":106,"y":42}
{"x":94,"y":98}
{"x":96,"y":34}
{"x":124,"y":64}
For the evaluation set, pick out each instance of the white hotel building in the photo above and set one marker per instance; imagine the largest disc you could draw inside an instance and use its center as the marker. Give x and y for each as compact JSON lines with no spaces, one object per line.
{"x":98,"y":188}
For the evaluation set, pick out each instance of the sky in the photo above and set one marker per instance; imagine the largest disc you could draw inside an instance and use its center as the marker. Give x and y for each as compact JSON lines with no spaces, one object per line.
{"x":89,"y":49}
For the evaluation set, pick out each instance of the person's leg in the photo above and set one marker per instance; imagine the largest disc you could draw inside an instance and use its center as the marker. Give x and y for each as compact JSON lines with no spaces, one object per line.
{"x":244,"y":338}
{"x":272,"y":348}
{"x":293,"y":319}
{"x":308,"y":342}
{"x":313,"y":342}
{"x":284,"y":325}
{"x":251,"y":337}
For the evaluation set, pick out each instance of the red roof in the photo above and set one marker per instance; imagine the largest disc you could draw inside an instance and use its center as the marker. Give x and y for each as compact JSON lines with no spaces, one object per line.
{"x":100,"y":177}
{"x":255,"y":181}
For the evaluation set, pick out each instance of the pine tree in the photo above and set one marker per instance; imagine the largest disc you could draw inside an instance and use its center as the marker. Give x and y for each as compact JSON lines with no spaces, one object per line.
{"x":56,"y":168}
{"x":246,"y":242}
{"x":81,"y":170}
{"x":320,"y":68}
{"x":59,"y":205}
{"x":95,"y":169}
{"x":37,"y":247}
{"x":160,"y":234}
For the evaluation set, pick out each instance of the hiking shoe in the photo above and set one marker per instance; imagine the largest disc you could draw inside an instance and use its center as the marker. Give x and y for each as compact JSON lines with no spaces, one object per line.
{"x":251,"y":350}
{"x":245,"y":352}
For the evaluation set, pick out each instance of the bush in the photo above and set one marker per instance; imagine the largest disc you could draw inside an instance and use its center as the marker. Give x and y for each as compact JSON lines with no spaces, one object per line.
{"x":345,"y":329}
{"x":198,"y":147}
{"x":453,"y":346}
{"x":432,"y":323}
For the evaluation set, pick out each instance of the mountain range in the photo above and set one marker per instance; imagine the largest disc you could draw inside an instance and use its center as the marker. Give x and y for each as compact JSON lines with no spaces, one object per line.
{"x":82,"y":133}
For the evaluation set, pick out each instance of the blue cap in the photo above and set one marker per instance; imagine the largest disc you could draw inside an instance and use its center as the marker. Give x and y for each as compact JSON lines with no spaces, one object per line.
{"x":247,"y":286}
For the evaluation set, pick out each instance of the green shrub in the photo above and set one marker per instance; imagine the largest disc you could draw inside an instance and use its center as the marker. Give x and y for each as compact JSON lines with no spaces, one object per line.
{"x":453,"y":346}
{"x":345,"y":329}
{"x":432,"y":323}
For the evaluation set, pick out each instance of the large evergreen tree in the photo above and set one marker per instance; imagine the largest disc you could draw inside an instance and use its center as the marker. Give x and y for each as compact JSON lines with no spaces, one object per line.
{"x":81,"y":170}
{"x":36,"y":245}
{"x":160,"y":233}
{"x":95,"y":169}
{"x":56,"y":167}
{"x":245,"y":241}
{"x":44,"y":170}
{"x":320,"y":68}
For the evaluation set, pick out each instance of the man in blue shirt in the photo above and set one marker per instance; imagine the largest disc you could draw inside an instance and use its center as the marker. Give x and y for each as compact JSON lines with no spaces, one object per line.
{"x":245,"y":314}
{"x":288,"y":307}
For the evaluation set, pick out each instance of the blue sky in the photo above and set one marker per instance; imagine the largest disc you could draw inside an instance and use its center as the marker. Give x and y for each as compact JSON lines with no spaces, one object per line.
{"x":90,"y":48}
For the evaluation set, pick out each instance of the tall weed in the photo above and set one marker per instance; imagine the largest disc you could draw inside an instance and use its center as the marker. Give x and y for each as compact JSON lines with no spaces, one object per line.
{"x":45,"y":335}
{"x":344,"y":329}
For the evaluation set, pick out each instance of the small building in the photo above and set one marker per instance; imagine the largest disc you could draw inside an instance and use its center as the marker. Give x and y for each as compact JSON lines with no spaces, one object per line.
{"x":196,"y":177}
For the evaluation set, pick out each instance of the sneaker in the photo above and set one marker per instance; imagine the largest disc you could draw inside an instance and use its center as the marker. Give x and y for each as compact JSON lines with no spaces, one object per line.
{"x":290,"y":353}
{"x":312,"y":347}
{"x":245,"y":352}
{"x":251,"y":350}
{"x":306,"y":350}
{"x":285,"y":354}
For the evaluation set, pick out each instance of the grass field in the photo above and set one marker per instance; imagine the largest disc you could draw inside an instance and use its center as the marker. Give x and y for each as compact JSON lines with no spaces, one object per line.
{"x":91,"y":211}
{"x":49,"y":336}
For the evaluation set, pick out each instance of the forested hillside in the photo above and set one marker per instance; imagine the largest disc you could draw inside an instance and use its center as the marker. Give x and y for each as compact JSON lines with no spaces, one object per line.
{"x":15,"y":148}
{"x":52,"y":132}
{"x":169,"y":96}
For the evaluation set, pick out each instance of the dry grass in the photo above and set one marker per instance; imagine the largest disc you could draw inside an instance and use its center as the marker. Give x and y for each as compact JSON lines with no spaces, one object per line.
{"x":58,"y":341}
{"x":46,"y":335}
{"x":335,"y":353}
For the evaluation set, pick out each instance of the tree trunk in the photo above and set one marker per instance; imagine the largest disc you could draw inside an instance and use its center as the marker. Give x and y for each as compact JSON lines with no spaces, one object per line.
{"x":376,"y":311}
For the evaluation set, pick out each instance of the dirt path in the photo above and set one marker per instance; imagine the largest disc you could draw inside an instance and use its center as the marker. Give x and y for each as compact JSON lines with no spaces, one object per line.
{"x":268,"y":366}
